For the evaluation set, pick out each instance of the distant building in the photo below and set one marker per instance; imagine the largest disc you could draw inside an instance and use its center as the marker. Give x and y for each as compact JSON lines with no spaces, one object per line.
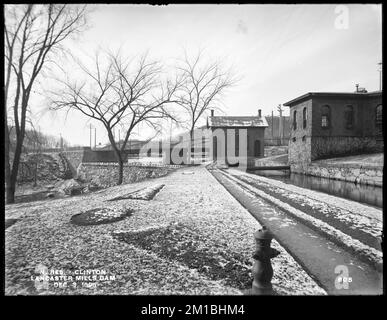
{"x":328,"y":124}
{"x":272,"y":132}
{"x":255,"y":126}
{"x":130,"y":145}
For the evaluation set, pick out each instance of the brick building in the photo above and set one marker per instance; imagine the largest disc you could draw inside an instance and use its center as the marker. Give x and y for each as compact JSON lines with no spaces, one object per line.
{"x":328,"y":124}
{"x":255,"y":126}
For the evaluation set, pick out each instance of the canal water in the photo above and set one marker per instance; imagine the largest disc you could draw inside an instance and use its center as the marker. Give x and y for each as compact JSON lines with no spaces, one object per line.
{"x":361,"y":193}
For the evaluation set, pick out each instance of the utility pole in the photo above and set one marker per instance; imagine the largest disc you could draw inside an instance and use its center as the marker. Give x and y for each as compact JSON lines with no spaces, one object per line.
{"x":90,"y":135}
{"x":380,"y":75}
{"x":272,"y":124}
{"x":95,"y":138}
{"x":280,"y":123}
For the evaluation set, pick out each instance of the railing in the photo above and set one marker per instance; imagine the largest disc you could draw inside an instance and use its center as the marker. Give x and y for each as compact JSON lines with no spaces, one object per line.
{"x":276,"y":142}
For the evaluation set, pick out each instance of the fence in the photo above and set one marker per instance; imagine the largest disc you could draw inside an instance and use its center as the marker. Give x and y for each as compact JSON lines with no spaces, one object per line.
{"x":276,"y":142}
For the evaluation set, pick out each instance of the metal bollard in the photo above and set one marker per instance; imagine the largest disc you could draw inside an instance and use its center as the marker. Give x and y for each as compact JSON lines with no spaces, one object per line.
{"x":262,"y":269}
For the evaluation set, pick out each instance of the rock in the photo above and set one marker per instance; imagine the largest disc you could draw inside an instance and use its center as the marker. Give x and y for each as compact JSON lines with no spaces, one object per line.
{"x":9,"y":222}
{"x":76,"y":191}
{"x":70,"y":187}
{"x":100,"y":216}
{"x":50,"y":195}
{"x":93,"y":186}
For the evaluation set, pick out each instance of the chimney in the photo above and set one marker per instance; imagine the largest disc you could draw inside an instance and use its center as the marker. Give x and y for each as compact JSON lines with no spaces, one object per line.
{"x":212,"y":112}
{"x":357,"y":87}
{"x":259,"y":113}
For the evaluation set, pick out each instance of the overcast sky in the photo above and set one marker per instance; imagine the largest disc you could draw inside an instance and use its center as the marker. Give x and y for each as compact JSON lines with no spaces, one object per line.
{"x":280,"y":51}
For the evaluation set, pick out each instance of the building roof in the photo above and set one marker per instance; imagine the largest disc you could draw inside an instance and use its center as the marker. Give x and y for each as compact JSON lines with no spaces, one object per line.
{"x":226,"y":121}
{"x":331,"y":94}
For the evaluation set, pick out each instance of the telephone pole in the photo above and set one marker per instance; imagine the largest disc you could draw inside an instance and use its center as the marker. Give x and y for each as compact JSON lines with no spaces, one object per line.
{"x":90,"y":135}
{"x":280,"y":122}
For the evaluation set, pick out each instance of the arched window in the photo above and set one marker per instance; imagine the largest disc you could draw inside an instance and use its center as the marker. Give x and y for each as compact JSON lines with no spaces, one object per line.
{"x":304,"y":118}
{"x":325,"y":116}
{"x":349,"y":117}
{"x":294,"y":120}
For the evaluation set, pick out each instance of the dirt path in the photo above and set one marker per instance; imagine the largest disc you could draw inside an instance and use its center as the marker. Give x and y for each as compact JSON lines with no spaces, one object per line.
{"x":316,"y":253}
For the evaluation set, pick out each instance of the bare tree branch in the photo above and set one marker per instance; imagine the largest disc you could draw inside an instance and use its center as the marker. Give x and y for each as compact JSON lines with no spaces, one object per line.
{"x":33,"y":34}
{"x":116,"y":91}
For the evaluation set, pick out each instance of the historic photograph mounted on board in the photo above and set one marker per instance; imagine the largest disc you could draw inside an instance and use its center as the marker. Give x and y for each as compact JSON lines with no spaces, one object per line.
{"x":193,"y":150}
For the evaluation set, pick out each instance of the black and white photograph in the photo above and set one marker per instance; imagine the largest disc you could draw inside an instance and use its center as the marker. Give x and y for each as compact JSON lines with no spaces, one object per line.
{"x":193,"y":150}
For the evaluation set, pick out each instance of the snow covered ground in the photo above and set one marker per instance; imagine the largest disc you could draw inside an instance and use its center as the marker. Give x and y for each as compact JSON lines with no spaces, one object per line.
{"x":192,"y":238}
{"x":356,"y":226}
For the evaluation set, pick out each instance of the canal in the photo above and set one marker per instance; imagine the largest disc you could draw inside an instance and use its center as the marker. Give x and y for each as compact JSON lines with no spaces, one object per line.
{"x":361,"y":193}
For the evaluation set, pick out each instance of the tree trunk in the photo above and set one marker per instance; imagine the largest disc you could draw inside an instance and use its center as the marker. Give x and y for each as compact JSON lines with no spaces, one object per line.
{"x":120,"y":171}
{"x":36,"y":173}
{"x":10,"y":190}
{"x":191,"y":145}
{"x":120,"y":162}
{"x":11,"y":183}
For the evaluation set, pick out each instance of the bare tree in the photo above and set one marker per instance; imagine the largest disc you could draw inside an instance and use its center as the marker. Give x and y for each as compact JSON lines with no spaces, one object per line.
{"x":118,"y":92}
{"x":36,"y":140}
{"x":33,"y":35}
{"x":202,"y":89}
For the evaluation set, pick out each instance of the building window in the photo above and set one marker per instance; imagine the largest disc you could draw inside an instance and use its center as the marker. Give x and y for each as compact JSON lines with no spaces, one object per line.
{"x":325,"y":116}
{"x":294,"y":120}
{"x":304,"y":138}
{"x":348,"y":117}
{"x":304,"y":118}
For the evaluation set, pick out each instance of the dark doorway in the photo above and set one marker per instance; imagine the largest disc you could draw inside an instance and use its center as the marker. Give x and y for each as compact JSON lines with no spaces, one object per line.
{"x":257,"y":148}
{"x":215,"y":148}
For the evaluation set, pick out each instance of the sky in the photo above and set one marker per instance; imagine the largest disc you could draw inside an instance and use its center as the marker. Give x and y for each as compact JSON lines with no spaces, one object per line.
{"x":279,"y":51}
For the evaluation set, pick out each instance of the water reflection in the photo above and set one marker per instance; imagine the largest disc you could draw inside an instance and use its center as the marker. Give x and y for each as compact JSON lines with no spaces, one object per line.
{"x":360,"y":193}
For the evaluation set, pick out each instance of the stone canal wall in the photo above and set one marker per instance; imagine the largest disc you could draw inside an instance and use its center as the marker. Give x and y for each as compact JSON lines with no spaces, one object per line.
{"x":329,"y":147}
{"x":74,"y":159}
{"x":43,"y":167}
{"x":369,"y":175}
{"x":106,"y":174}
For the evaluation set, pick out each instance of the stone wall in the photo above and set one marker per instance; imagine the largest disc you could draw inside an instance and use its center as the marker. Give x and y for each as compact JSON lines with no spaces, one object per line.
{"x":74,"y":159}
{"x":106,"y":174}
{"x":105,"y":155}
{"x":46,"y":167}
{"x":275,"y":151}
{"x":328,"y":147}
{"x":300,"y":139}
{"x":361,"y":174}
